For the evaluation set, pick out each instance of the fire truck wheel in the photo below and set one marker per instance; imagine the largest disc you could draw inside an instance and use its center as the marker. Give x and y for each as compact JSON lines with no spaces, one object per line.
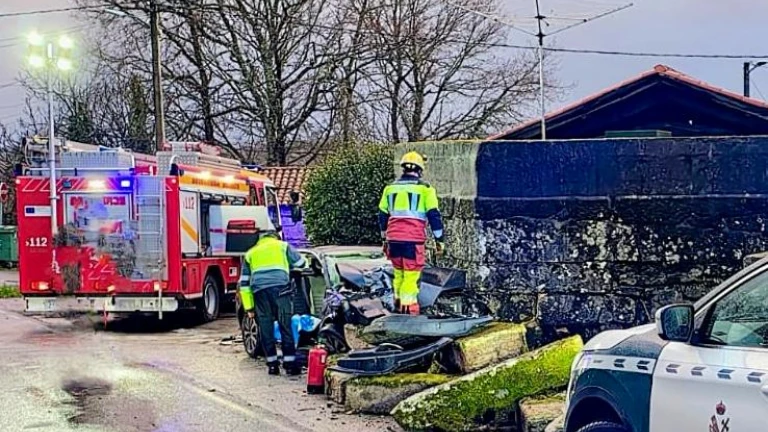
{"x":209,"y":305}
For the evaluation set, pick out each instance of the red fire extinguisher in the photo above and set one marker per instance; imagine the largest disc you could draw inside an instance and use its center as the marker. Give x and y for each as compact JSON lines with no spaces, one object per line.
{"x":316,"y":370}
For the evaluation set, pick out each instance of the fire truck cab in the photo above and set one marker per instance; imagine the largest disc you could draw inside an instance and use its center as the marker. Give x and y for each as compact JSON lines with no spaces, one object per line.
{"x":138,"y":233}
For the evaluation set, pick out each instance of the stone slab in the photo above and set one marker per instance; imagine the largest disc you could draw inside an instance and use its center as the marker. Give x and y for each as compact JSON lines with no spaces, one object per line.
{"x":495,"y":343}
{"x":379,"y":395}
{"x":536,"y":414}
{"x":461,"y":404}
{"x":336,"y":386}
{"x":557,"y":425}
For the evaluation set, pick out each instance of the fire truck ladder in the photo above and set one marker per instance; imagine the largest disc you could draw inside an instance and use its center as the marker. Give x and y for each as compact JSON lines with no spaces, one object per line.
{"x":151,"y":236}
{"x":181,"y":155}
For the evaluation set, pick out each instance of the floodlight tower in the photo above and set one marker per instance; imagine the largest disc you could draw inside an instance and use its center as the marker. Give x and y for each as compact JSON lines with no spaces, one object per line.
{"x":51,"y":56}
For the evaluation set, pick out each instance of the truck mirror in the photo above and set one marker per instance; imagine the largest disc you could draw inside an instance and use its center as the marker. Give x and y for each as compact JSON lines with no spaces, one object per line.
{"x":296,"y":213}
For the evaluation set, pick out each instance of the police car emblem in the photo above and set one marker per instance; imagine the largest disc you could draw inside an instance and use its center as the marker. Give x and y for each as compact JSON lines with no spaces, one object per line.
{"x":718,"y":422}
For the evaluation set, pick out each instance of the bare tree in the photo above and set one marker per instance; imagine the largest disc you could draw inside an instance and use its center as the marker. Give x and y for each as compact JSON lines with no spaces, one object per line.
{"x":284,"y":81}
{"x":438,"y":73}
{"x":281,"y":69}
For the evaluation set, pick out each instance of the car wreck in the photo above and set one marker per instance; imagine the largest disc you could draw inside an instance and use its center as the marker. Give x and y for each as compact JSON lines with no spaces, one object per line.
{"x":353,"y":286}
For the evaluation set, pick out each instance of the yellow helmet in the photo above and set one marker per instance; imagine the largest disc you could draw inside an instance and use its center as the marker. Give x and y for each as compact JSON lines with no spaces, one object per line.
{"x":413,"y":158}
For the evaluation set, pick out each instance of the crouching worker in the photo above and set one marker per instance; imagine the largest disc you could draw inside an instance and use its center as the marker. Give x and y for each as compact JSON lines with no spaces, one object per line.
{"x":405,"y":209}
{"x":265,"y":291}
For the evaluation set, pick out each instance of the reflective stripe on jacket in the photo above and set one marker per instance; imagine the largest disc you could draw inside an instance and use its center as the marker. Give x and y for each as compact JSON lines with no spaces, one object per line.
{"x":267,"y":265}
{"x":406,"y":206}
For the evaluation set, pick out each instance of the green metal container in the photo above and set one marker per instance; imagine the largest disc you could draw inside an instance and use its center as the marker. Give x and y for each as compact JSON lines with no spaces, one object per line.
{"x":9,"y":245}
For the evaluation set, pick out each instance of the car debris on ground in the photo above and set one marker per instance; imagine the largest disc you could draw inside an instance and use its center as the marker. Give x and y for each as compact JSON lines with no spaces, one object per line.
{"x":421,"y":368}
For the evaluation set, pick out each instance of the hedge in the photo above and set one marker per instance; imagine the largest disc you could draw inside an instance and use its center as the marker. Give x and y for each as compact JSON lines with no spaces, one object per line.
{"x":342,"y":196}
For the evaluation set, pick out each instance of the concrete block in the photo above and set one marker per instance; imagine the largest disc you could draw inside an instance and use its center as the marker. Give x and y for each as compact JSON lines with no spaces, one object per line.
{"x":536,"y":414}
{"x":458,"y":404}
{"x":379,"y":395}
{"x":336,"y":385}
{"x":751,"y":259}
{"x":495,"y":343}
{"x":557,"y":425}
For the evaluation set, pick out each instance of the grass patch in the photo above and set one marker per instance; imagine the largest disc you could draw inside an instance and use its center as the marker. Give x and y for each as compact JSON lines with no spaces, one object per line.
{"x":9,"y":291}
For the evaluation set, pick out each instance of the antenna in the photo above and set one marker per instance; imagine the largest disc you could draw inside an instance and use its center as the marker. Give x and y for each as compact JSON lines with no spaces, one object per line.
{"x":540,"y":37}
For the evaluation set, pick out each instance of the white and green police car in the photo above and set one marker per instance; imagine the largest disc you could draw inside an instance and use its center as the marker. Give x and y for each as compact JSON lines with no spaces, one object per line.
{"x":699,"y":368}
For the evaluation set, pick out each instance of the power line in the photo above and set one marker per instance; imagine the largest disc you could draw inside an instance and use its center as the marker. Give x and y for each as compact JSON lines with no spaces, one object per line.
{"x":18,"y":40}
{"x":47,"y":11}
{"x":489,"y":44}
{"x":67,"y":30}
{"x":652,"y":54}
{"x":758,"y":91}
{"x":635,"y":53}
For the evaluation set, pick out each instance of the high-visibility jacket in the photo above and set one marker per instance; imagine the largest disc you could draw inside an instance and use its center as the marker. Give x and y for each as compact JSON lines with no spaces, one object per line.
{"x":267,"y":265}
{"x":405,"y":209}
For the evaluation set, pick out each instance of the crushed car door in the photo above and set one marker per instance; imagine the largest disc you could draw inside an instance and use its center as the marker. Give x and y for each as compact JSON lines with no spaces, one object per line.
{"x":719,"y":382}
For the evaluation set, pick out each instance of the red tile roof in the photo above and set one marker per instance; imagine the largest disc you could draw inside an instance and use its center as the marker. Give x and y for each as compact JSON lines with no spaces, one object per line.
{"x":287,"y":180}
{"x":659,"y":69}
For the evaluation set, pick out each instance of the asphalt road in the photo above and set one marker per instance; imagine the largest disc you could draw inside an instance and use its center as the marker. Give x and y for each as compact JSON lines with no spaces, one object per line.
{"x":69,"y":374}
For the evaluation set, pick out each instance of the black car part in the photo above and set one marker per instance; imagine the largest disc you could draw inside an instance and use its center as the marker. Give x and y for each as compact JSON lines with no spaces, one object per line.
{"x":389,"y":358}
{"x":413,"y":329}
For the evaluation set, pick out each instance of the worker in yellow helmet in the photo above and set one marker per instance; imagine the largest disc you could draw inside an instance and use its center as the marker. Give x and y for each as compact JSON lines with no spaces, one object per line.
{"x":405,"y":209}
{"x":266,"y":294}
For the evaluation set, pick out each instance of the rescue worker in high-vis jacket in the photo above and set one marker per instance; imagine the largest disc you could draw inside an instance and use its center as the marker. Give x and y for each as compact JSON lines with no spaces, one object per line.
{"x":265,"y":288}
{"x":405,"y":209}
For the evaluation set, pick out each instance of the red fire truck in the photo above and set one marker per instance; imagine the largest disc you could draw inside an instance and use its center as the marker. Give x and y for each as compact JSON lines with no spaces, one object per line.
{"x":137,"y":233}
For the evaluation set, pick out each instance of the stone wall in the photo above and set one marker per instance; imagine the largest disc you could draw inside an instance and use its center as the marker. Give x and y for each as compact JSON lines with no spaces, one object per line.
{"x":589,"y":235}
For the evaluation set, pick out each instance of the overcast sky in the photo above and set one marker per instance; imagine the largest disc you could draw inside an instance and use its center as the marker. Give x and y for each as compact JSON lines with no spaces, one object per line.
{"x":685,"y":26}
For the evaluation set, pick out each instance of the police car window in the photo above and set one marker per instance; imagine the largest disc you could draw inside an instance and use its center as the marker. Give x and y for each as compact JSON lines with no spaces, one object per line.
{"x":741,"y":317}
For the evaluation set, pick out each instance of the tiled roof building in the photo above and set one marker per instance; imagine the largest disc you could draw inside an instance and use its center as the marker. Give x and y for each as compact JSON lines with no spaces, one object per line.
{"x":287,"y":180}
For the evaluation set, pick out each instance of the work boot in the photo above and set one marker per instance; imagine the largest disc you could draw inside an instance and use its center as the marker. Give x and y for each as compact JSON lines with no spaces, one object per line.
{"x":274,"y":368}
{"x":292,"y":369}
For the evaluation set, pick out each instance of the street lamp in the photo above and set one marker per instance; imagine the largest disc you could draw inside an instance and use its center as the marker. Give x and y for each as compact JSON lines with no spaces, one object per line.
{"x":748,"y":68}
{"x":51,"y":56}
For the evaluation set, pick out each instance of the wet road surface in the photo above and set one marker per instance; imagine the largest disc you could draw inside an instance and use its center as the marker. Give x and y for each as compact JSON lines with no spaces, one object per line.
{"x":69,"y":374}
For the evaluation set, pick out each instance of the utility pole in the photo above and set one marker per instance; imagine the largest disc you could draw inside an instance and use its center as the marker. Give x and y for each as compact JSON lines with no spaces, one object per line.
{"x":748,"y":68}
{"x":53,"y":185}
{"x":157,"y":75}
{"x":540,"y":37}
{"x":747,"y":85}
